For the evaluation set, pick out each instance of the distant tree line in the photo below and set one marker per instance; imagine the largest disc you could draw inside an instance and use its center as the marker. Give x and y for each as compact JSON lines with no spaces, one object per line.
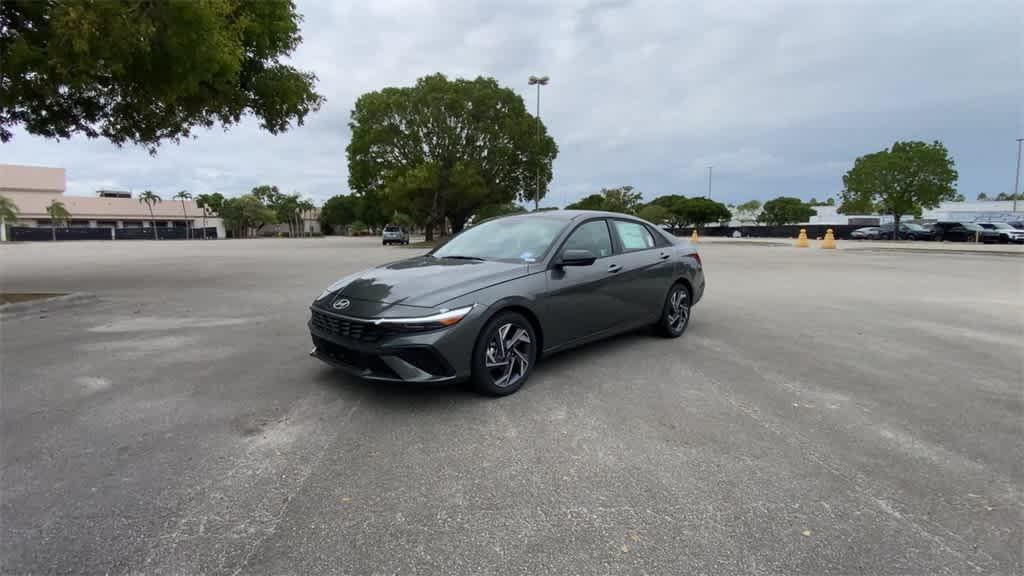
{"x":244,"y":216}
{"x":1002,"y":196}
{"x":672,"y":210}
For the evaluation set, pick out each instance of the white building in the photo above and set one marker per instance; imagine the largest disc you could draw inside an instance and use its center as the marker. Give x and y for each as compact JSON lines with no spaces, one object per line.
{"x":991,"y":211}
{"x":33,"y":188}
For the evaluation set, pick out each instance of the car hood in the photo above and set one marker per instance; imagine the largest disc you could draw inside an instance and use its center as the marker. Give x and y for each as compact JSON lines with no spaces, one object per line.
{"x":426,"y":281}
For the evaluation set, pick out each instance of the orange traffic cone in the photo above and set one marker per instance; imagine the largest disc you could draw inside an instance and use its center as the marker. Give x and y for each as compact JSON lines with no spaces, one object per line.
{"x":801,"y":241}
{"x":829,"y":241}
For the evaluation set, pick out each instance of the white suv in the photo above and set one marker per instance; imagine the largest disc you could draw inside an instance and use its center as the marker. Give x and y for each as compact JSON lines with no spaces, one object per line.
{"x":394,"y":234}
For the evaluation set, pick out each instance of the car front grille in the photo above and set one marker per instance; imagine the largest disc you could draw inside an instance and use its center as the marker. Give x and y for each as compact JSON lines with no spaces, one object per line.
{"x":369,"y":364}
{"x":345,"y":328}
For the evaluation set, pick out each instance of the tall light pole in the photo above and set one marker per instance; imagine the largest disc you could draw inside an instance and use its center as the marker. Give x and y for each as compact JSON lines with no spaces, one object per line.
{"x":709,"y":181}
{"x":1016,"y":181}
{"x":535,"y":81}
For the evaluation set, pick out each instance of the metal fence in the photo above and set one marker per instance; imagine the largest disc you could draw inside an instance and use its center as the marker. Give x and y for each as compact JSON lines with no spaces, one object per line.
{"x":841,"y":231}
{"x":24,"y":234}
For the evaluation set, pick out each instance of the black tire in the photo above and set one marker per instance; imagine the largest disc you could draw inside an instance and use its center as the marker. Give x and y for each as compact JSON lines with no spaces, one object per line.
{"x":675,"y":313}
{"x":498,"y":369}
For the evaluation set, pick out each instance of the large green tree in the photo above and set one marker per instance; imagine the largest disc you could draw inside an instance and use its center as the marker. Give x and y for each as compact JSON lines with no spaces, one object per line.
{"x":209,"y":204}
{"x":747,"y":211}
{"x":785,"y":210}
{"x":675,"y":215}
{"x":700,"y":211}
{"x":495,"y":210}
{"x":623,"y":199}
{"x":246,"y":214}
{"x":591,"y":202}
{"x":654,"y":214}
{"x":339,"y":211}
{"x":904,"y":179}
{"x":148,"y":72}
{"x":443,"y":148}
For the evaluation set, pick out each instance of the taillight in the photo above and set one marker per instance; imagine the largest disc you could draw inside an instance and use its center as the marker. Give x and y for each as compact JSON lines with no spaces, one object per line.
{"x":696,"y":257}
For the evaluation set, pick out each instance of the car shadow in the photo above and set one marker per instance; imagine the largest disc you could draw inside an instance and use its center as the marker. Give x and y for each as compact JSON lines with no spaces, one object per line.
{"x":395,"y":394}
{"x":420,"y":396}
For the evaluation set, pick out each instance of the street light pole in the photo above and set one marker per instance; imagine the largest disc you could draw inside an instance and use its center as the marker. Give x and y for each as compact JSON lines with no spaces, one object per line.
{"x":709,"y":181}
{"x":538,"y":81}
{"x":1016,"y":181}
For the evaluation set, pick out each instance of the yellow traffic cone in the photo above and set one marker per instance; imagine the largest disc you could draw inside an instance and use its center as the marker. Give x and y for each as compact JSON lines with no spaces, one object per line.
{"x":693,"y":237}
{"x":829,"y":241}
{"x":801,"y":241}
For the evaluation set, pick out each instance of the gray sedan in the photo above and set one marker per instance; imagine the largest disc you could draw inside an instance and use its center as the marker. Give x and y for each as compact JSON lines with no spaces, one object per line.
{"x":490,"y":302}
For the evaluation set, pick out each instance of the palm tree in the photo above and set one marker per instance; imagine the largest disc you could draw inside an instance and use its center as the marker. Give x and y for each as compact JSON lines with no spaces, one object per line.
{"x":305,"y":207}
{"x":184,"y":195}
{"x":58,"y":213}
{"x":211,"y":205}
{"x":8,"y":211}
{"x":204,"y":201}
{"x":148,"y":198}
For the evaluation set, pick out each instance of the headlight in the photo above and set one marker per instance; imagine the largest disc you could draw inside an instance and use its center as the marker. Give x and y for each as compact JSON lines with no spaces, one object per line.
{"x":434,"y":321}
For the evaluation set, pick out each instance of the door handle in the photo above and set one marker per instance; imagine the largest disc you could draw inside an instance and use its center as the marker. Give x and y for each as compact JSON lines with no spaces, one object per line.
{"x":665,"y":256}
{"x":613,"y":268}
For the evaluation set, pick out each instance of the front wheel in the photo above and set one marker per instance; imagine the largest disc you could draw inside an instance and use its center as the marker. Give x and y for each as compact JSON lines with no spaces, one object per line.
{"x":675,"y":316}
{"x":505,"y":352}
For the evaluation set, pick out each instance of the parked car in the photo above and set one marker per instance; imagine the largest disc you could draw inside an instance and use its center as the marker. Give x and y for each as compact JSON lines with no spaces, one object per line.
{"x":959,"y":232}
{"x":866,"y":233}
{"x":492,"y":300}
{"x":908,"y":231}
{"x":1003,"y":232}
{"x":394,"y":234}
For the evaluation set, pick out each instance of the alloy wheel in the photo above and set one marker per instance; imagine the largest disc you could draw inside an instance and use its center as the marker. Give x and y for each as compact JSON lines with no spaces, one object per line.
{"x":507,"y":357}
{"x":678,"y":309}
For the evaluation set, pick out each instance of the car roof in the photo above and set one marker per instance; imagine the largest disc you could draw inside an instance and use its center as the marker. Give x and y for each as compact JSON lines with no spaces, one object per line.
{"x":568,"y":215}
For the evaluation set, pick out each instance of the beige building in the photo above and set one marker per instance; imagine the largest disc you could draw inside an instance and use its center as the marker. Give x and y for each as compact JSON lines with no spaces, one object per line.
{"x":33,"y":188}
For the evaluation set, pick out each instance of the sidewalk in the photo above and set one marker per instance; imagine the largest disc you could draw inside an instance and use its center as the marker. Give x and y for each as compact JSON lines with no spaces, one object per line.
{"x":882,"y":245}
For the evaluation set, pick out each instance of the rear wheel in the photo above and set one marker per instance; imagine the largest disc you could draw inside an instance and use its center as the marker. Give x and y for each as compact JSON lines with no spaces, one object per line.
{"x":505,"y":352}
{"x":675,"y":316}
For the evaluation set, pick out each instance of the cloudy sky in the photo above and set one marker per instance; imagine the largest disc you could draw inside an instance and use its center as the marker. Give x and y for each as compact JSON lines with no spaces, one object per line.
{"x":779,"y":97}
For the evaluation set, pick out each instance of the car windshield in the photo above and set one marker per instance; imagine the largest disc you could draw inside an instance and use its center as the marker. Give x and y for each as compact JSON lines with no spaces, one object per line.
{"x":912,"y":226}
{"x":391,"y":229}
{"x":1002,"y":226}
{"x":974,"y":227}
{"x":524,"y":239}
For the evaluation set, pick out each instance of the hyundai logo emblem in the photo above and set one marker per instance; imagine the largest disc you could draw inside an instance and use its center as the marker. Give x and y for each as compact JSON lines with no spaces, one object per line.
{"x":341,"y":304}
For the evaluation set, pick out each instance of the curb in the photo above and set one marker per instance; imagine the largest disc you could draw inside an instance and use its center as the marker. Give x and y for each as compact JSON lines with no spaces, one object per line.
{"x":1002,"y":253}
{"x":20,"y":309}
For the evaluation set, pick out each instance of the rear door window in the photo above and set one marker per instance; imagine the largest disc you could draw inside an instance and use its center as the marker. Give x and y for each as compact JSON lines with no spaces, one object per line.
{"x":633,"y":236}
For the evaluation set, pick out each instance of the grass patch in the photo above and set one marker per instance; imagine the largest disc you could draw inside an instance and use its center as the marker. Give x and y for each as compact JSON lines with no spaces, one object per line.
{"x":425,"y":244}
{"x":14,"y":297}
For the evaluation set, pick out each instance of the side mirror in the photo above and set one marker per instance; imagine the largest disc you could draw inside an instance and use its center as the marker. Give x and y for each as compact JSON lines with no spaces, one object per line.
{"x":578,"y":258}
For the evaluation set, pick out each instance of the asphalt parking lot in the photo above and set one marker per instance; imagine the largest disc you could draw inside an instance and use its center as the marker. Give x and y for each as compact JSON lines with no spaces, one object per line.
{"x":826,"y":413}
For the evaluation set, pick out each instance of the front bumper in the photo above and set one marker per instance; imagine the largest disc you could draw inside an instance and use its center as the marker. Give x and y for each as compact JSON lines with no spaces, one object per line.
{"x":436,"y":356}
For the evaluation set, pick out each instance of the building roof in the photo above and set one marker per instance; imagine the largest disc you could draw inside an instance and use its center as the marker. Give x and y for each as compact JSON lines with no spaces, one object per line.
{"x":14,"y":177}
{"x":33,"y":205}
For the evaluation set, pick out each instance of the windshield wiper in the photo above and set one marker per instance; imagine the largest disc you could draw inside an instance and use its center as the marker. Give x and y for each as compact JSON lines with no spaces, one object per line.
{"x":464,"y":258}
